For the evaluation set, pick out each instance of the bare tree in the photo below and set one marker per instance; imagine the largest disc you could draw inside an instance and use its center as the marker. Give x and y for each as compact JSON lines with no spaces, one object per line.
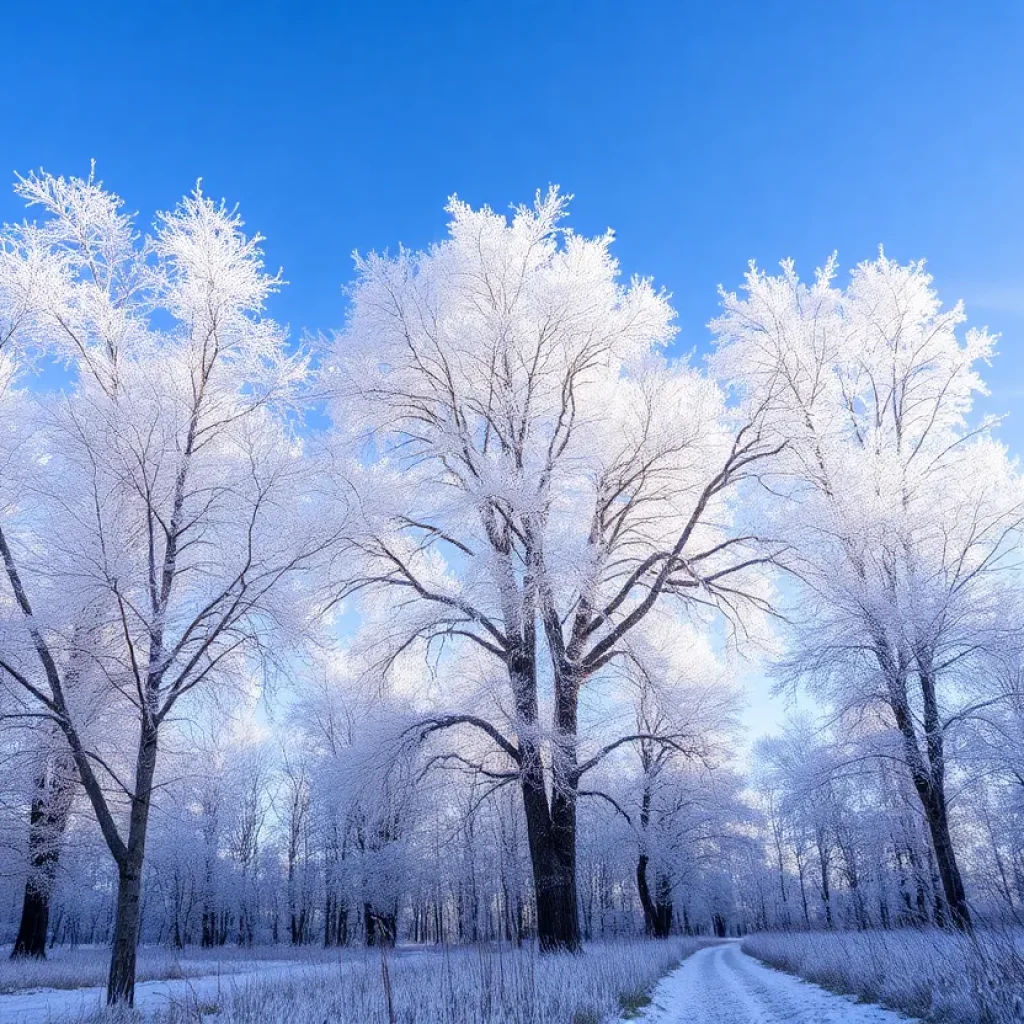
{"x":540,"y":469}
{"x":902,"y":515}
{"x":156,"y":515}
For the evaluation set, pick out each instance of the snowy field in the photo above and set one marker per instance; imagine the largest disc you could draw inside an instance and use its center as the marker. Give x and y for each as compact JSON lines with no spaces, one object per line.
{"x":85,"y":967}
{"x":931,"y":974}
{"x":456,"y":986}
{"x":925,"y":975}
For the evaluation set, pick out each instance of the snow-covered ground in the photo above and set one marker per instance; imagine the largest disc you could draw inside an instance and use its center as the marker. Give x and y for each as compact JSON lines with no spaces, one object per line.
{"x":37,"y":1006}
{"x":722,"y":985}
{"x":461,"y":985}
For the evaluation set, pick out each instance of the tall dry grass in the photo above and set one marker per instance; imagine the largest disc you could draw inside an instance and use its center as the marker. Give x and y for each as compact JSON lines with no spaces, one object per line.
{"x":455,"y":986}
{"x":931,"y":974}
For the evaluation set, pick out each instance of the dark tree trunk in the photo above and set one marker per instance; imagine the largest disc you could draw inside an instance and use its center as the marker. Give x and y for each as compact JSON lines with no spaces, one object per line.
{"x":657,"y":908}
{"x":35,"y":921}
{"x":209,"y":929}
{"x":949,"y":870}
{"x":48,"y":819}
{"x":826,"y":893}
{"x":553,"y":858}
{"x":936,"y":814}
{"x":121,"y":980}
{"x":329,"y":922}
{"x":663,"y":908}
{"x":928,"y":768}
{"x":928,"y":771}
{"x":550,"y":828}
{"x":380,"y":929}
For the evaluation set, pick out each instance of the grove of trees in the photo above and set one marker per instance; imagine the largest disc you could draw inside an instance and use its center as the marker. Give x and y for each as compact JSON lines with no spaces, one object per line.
{"x":434,"y":628}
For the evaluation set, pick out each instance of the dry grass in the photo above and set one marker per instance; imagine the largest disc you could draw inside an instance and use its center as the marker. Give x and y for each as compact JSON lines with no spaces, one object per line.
{"x":455,"y":986}
{"x":85,"y":967}
{"x":934,"y":975}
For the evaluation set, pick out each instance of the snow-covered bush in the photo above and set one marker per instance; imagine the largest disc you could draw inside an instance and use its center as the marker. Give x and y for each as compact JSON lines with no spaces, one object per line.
{"x":935,"y":975}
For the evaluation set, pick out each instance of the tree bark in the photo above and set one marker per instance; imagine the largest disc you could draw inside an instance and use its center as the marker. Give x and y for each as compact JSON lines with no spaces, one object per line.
{"x":550,"y":828}
{"x":553,"y":859}
{"x":48,"y":819}
{"x":658,"y":910}
{"x":380,"y":929}
{"x":928,"y":771}
{"x":121,"y":980}
{"x":945,"y":860}
{"x":35,"y":922}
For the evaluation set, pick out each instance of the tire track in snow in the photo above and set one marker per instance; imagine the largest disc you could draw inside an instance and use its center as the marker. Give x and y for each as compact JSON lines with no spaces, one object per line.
{"x":722,"y":985}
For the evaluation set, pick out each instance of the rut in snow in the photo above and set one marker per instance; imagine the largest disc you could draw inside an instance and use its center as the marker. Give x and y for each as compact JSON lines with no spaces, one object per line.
{"x":722,"y":985}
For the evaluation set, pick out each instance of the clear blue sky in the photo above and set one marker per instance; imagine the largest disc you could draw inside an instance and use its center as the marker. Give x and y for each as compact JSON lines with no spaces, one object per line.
{"x":706,"y":134}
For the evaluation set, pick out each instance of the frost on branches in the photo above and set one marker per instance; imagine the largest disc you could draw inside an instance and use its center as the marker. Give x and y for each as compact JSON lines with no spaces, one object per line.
{"x":902,"y":514}
{"x":462,"y":663}
{"x":143,"y":507}
{"x":538,"y":483}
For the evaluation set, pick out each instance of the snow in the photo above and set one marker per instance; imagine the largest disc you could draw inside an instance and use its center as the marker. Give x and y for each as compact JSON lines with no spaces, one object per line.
{"x":723,"y":985}
{"x":39,"y":1005}
{"x":460,"y":985}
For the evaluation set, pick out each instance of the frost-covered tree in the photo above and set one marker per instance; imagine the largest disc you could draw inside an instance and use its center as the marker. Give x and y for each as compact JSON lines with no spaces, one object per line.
{"x":158,"y":523}
{"x":662,"y":791}
{"x":535,"y":480}
{"x":900,"y":511}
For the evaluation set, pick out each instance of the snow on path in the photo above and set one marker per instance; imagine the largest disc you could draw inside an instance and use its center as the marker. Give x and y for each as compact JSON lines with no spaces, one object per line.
{"x":37,"y":1006}
{"x":722,"y":985}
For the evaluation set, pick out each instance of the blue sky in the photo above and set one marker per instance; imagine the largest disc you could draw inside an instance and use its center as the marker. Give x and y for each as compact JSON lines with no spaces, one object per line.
{"x":706,"y":134}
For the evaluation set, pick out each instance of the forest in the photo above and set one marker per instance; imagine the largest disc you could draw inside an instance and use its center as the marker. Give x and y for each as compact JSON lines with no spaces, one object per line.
{"x":410,"y":659}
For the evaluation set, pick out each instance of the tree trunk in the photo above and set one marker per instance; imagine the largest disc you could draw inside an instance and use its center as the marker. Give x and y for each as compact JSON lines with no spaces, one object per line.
{"x":550,"y":829}
{"x":929,"y":783}
{"x":928,"y":771}
{"x":381,"y":929}
{"x":826,"y":894}
{"x":121,"y":980}
{"x":645,"y":894}
{"x":663,"y":909}
{"x":553,"y":858}
{"x":945,"y":860}
{"x":657,"y":908}
{"x":803,"y":897}
{"x":35,"y":920}
{"x":48,"y":819}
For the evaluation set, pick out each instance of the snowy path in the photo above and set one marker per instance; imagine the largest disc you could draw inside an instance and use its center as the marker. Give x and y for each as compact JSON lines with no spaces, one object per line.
{"x":722,"y":985}
{"x":37,"y":1006}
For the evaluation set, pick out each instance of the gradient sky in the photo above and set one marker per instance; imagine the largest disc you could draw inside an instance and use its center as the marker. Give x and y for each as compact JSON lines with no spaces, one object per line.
{"x":706,"y":134}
